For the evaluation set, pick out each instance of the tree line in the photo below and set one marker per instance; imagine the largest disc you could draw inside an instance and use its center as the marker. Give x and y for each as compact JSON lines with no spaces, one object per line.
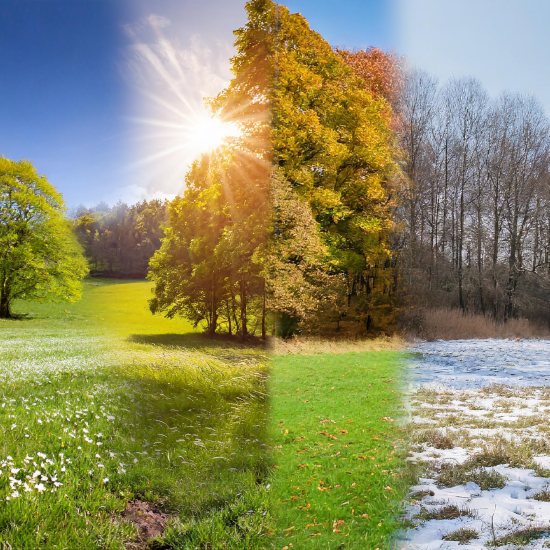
{"x":119,"y":241}
{"x":474,"y":205}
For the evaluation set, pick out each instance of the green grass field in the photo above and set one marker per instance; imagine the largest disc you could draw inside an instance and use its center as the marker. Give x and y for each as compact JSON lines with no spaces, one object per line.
{"x":102,"y":404}
{"x":338,"y":463}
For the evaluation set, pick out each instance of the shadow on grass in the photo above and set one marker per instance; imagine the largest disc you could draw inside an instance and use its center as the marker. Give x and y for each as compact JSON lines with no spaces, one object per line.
{"x":197,"y":341}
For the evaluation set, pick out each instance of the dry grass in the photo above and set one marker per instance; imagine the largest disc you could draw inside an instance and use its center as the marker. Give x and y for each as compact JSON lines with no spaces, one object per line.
{"x":303,"y":345}
{"x":452,"y":324}
{"x":452,"y":475}
{"x":522,"y":537}
{"x":436,"y":439}
{"x":450,"y":511}
{"x":462,"y":535}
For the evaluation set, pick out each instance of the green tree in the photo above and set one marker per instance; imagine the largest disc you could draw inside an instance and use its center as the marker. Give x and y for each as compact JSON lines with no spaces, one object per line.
{"x":40,"y":258}
{"x":211,"y":265}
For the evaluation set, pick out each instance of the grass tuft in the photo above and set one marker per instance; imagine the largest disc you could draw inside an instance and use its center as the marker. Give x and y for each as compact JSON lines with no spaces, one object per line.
{"x":463,"y":535}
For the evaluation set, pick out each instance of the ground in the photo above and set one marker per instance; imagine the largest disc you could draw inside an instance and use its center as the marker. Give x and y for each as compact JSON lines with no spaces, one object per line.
{"x":104,"y":408}
{"x":338,"y":435}
{"x":480,"y":445}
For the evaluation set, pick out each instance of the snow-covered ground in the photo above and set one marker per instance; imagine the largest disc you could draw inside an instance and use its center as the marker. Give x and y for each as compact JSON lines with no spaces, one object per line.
{"x":480,"y":412}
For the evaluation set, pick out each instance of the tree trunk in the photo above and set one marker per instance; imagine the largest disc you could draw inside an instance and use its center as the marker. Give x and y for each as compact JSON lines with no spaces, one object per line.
{"x":263,"y":318}
{"x":5,"y":312}
{"x":244,"y":328}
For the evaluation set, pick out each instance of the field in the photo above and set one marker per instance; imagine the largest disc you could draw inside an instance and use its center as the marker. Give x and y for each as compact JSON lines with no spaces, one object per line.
{"x":119,"y":426}
{"x":480,"y":445}
{"x":338,"y":459}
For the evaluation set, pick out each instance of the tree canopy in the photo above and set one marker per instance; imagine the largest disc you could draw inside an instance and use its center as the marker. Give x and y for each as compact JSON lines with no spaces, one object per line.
{"x":119,"y":241}
{"x":40,"y":258}
{"x":334,"y":150}
{"x":211,"y":265}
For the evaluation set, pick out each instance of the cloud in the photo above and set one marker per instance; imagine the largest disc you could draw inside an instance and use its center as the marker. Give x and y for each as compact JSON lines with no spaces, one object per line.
{"x":152,"y":21}
{"x":158,"y":21}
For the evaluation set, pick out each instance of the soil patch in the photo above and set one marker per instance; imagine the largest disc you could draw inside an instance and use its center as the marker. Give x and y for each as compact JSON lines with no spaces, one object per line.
{"x":148,"y":518}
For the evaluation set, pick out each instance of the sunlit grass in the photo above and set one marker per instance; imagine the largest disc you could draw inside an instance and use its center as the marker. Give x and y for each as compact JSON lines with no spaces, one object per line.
{"x":101,"y":404}
{"x":338,"y":465}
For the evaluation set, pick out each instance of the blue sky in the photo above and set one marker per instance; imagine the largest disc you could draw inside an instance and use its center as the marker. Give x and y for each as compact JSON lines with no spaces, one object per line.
{"x":61,"y":94}
{"x":67,"y":99}
{"x":503,"y":43}
{"x":352,"y":24}
{"x":88,"y":88}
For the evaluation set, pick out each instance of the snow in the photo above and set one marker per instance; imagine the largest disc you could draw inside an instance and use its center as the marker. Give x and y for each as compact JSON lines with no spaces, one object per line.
{"x":461,"y":364}
{"x":493,"y":390}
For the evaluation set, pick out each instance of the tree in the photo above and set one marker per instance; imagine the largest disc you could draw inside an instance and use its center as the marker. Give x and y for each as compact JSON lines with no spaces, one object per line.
{"x":475,"y":211}
{"x":334,"y":148}
{"x":120,"y":241}
{"x":210,"y":267}
{"x":40,"y":258}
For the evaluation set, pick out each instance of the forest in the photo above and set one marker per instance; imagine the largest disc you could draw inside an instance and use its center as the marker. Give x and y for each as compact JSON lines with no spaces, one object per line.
{"x":474,"y":213}
{"x":357,"y":190}
{"x":119,"y":241}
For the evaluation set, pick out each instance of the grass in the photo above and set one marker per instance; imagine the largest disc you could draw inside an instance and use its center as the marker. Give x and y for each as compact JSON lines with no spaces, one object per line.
{"x":449,"y":511}
{"x":452,"y":475}
{"x":522,"y":537}
{"x":338,"y":466}
{"x":462,"y":535}
{"x":102,"y":404}
{"x":453,"y":324}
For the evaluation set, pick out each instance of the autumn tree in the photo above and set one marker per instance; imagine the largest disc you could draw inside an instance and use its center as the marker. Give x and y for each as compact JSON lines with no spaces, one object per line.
{"x":40,"y":258}
{"x":381,"y":71}
{"x":334,"y":148}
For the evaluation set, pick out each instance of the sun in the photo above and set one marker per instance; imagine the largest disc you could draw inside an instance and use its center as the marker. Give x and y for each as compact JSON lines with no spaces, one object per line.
{"x":207,"y":132}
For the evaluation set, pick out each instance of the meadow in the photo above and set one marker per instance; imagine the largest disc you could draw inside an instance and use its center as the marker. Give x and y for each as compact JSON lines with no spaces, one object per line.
{"x":338,"y":434}
{"x":121,"y":428}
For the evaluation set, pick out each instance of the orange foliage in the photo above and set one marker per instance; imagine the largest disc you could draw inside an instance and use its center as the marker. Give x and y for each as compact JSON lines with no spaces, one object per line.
{"x":381,"y":71}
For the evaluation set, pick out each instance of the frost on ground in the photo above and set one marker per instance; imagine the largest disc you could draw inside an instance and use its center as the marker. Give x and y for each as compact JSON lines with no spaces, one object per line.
{"x":480,"y":412}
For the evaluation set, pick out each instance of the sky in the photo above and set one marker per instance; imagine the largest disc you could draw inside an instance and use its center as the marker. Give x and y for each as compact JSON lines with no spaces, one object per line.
{"x":73,"y":84}
{"x":503,"y":43}
{"x":351,"y":24}
{"x":102,"y":95}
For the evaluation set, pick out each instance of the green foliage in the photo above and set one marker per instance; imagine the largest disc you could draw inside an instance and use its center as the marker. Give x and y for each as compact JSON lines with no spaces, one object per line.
{"x":120,"y":241}
{"x":211,"y":266}
{"x":40,"y":258}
